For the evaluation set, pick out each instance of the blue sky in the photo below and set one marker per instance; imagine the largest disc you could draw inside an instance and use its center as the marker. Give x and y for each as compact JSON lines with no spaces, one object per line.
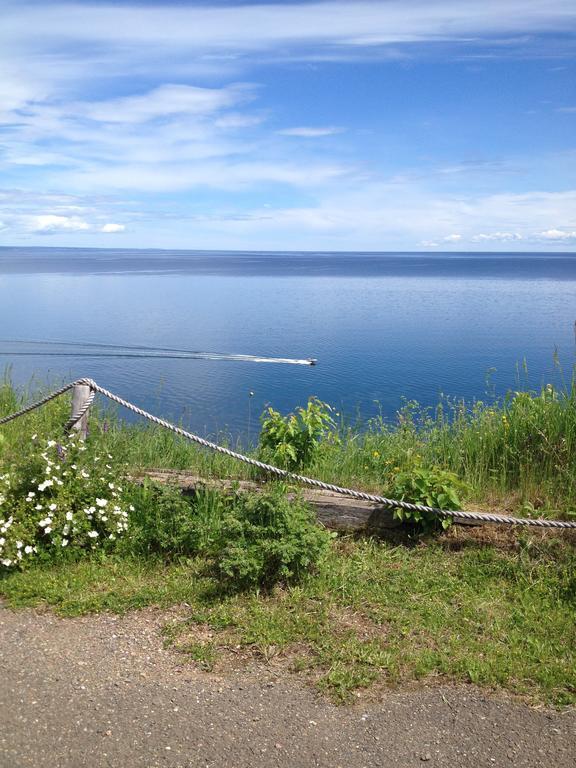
{"x":399,"y":124}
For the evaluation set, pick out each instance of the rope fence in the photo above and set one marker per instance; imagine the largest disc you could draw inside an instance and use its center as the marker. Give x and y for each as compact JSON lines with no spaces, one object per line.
{"x":82,"y":410}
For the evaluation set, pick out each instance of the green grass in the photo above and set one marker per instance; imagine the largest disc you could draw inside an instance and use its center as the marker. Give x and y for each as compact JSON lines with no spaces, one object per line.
{"x":376,"y":613}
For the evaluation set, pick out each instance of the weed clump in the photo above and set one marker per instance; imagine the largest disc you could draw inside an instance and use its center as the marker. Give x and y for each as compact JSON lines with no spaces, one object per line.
{"x":251,"y":540}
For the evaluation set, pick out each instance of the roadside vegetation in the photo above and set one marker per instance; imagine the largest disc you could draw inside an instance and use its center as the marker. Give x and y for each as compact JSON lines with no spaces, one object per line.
{"x":256,"y":577}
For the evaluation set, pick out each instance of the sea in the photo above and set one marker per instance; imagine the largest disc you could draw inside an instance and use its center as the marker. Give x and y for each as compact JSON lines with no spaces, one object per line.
{"x":385,"y":328}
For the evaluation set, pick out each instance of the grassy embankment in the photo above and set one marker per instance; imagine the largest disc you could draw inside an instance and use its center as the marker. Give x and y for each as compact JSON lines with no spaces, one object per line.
{"x":496,"y":610}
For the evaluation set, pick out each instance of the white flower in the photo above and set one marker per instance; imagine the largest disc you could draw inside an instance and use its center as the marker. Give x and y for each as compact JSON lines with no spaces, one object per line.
{"x":101,"y":502}
{"x":6,"y":562}
{"x":111,"y":486}
{"x":31,"y":495}
{"x":131,"y":508}
{"x":84,"y":473}
{"x":45,"y":484}
{"x":34,"y":436}
{"x":28,"y":549}
{"x":73,"y":466}
{"x":69,"y":515}
{"x":38,"y":506}
{"x":51,"y":443}
{"x":66,"y":530}
{"x":2,"y":541}
{"x":93,"y":534}
{"x":64,"y":542}
{"x":47,"y":529}
{"x":19,"y":544}
{"x":52,"y":507}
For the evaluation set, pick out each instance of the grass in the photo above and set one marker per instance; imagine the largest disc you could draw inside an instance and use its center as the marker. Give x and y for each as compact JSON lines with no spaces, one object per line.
{"x":376,"y":613}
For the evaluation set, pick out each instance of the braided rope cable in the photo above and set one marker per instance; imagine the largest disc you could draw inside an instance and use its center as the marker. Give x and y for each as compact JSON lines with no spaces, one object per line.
{"x":38,"y":403}
{"x":382,"y":500}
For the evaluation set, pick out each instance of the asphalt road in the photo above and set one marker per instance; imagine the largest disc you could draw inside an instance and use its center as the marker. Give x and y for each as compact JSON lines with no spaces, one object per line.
{"x":101,"y":691}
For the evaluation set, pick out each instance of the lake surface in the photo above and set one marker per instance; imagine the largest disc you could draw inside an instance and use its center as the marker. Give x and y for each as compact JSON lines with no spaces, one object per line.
{"x":383,"y":326}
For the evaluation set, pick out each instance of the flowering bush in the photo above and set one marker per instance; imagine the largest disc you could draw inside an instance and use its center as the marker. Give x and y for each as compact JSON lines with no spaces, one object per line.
{"x":61,"y":496}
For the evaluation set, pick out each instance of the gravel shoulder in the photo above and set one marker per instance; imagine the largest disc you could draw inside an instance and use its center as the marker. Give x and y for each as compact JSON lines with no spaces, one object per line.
{"x":102,"y":691}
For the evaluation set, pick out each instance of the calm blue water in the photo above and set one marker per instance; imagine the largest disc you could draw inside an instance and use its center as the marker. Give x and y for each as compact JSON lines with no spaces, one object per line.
{"x":383,"y":326}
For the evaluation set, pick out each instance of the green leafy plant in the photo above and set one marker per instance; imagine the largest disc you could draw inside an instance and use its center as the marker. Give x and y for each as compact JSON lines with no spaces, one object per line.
{"x":60,"y":497}
{"x":165,"y":522}
{"x":292,"y":441}
{"x":268,"y":538}
{"x":434,"y":487}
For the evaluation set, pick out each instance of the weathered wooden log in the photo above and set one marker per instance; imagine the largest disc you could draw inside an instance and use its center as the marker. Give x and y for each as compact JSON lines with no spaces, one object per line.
{"x":337,"y":513}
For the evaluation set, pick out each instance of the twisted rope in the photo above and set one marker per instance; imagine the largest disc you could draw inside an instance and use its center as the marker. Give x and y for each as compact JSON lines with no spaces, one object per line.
{"x":38,"y":403}
{"x":481,"y":517}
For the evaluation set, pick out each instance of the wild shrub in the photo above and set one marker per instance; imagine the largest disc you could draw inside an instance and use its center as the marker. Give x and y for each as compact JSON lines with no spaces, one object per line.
{"x":293,"y":441}
{"x":250,"y":539}
{"x":268,"y":538}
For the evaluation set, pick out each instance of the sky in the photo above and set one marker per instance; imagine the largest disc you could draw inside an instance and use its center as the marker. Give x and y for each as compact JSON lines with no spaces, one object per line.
{"x":434,"y":125}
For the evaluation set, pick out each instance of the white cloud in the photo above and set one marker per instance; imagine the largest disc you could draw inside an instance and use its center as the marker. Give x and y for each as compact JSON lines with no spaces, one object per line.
{"x":110,"y":227}
{"x":52,"y":223}
{"x":558,"y":235}
{"x":499,"y":237}
{"x":452,"y":238}
{"x":162,"y":102}
{"x":310,"y":132}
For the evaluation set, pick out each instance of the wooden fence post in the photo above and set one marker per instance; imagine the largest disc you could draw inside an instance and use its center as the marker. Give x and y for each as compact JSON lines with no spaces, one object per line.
{"x":80,"y":394}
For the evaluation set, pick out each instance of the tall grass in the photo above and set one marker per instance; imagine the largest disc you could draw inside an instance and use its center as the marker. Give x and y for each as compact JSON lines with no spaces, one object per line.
{"x":517,"y":453}
{"x":521,"y":449}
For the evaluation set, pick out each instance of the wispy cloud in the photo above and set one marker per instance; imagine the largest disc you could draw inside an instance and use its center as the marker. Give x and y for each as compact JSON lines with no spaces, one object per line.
{"x":311,"y":132}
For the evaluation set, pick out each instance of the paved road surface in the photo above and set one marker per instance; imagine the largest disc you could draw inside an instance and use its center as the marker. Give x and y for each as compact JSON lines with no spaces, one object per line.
{"x":100,"y":691}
